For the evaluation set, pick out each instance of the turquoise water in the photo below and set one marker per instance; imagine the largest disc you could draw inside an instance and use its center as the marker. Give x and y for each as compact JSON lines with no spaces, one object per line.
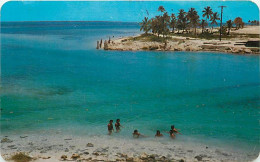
{"x":53,"y":78}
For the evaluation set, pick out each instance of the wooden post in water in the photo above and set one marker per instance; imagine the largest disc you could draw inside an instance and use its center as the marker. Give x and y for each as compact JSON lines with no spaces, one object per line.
{"x":97,"y":44}
{"x":105,"y":45}
{"x":100,"y":43}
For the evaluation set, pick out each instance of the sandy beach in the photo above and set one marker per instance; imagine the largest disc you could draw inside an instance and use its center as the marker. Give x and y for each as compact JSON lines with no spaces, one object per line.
{"x":108,"y":148}
{"x":234,"y":45}
{"x":248,"y":30}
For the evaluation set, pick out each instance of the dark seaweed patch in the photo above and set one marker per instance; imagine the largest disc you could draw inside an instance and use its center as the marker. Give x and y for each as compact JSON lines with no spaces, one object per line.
{"x":52,"y":91}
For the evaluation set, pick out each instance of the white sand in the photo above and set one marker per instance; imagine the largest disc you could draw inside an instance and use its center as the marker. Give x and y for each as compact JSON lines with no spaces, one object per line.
{"x":248,"y":30}
{"x":53,"y":146}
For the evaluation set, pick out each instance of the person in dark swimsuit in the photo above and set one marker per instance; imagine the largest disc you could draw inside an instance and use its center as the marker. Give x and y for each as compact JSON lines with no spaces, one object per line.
{"x":175,"y":130}
{"x":158,"y":134}
{"x":172,"y":135}
{"x":118,"y":125}
{"x":110,"y":127}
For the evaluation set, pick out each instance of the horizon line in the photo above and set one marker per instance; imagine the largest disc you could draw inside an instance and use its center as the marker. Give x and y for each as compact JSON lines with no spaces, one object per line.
{"x":72,"y":21}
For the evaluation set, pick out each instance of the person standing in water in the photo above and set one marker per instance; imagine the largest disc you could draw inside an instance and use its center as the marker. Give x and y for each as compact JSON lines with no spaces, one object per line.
{"x":110,"y":127}
{"x":118,"y":125}
{"x":173,"y":131}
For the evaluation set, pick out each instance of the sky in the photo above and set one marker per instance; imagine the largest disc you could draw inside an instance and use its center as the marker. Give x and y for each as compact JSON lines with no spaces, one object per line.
{"x":125,"y":11}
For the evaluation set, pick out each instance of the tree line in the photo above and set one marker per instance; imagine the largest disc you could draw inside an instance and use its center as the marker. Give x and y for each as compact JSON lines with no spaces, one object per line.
{"x":254,"y":22}
{"x":163,"y":24}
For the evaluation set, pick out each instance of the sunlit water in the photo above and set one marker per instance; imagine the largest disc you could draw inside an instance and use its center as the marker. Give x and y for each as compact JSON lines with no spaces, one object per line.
{"x":54,"y":79}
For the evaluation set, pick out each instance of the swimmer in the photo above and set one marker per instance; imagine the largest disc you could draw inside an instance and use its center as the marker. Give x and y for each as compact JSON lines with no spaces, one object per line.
{"x":136,"y":134}
{"x":158,"y":134}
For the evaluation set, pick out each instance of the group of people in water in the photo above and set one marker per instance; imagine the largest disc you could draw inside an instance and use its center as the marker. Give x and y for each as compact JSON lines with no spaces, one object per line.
{"x":173,"y":131}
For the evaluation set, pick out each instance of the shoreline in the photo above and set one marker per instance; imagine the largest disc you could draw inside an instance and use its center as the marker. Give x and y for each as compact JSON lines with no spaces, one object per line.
{"x":147,"y":42}
{"x":52,"y":147}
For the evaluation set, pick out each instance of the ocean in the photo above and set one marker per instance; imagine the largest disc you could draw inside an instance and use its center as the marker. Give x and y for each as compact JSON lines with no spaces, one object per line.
{"x":54,"y":79}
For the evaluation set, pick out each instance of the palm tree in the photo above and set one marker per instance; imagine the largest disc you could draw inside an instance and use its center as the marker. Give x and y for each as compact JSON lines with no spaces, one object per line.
{"x":196,"y":21}
{"x":207,"y":12}
{"x":145,"y":25}
{"x":159,"y":24}
{"x":213,"y":19}
{"x":162,"y":22}
{"x":161,"y":8}
{"x":182,"y":20}
{"x":172,"y":22}
{"x":190,"y":15}
{"x":203,"y":24}
{"x":156,"y":25}
{"x":193,"y":17}
{"x":229,"y":26}
{"x":165,"y":23}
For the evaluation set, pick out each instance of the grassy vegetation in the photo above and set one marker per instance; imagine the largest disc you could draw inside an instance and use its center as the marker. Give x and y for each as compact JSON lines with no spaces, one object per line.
{"x":21,"y":157}
{"x":205,"y":35}
{"x":209,"y":36}
{"x":149,"y":38}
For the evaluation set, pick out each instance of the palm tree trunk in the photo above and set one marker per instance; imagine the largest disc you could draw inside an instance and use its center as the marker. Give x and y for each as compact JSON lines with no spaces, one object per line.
{"x":206,"y":22}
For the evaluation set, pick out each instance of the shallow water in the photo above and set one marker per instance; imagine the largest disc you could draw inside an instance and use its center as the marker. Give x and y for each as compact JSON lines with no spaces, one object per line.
{"x":54,"y":79}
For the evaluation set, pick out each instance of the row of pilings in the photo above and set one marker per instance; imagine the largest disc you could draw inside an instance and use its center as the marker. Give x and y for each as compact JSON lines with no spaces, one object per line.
{"x":100,"y":44}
